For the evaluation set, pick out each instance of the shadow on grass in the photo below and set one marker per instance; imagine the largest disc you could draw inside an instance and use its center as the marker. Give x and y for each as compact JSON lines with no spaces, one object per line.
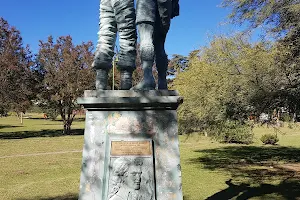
{"x":64,"y":197}
{"x":81,"y":119}
{"x":186,"y":197}
{"x":75,"y":120}
{"x":42,"y":133}
{"x":254,"y":165}
{"x":287,"y":189}
{"x":7,"y":126}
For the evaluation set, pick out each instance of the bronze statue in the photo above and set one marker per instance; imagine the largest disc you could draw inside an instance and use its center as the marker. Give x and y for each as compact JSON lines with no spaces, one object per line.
{"x":153,"y":19}
{"x":116,"y":16}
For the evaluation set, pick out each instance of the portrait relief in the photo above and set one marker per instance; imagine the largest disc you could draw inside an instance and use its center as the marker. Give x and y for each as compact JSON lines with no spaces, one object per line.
{"x":131,"y":178}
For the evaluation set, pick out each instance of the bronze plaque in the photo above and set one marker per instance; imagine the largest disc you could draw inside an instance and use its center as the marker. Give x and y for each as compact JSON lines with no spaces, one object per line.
{"x":131,"y":148}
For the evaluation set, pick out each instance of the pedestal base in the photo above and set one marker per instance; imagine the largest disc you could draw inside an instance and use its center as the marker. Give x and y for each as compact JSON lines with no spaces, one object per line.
{"x":131,"y":148}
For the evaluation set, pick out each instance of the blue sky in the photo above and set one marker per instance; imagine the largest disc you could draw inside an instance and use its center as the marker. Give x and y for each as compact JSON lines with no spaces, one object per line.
{"x":37,"y":19}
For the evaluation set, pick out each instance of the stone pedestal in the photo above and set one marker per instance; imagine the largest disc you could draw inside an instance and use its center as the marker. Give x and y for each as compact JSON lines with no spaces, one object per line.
{"x":131,"y":148}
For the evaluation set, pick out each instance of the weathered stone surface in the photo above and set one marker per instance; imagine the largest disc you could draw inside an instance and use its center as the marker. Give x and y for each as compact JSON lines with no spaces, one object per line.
{"x":155,"y":121}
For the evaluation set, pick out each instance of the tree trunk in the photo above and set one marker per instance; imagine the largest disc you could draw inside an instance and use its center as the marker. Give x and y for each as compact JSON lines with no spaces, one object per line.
{"x":67,"y":128}
{"x":67,"y":125}
{"x":68,"y":117}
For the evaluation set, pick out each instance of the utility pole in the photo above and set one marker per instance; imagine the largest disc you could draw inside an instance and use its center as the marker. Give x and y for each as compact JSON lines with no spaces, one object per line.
{"x":115,"y":61}
{"x":113,"y":74}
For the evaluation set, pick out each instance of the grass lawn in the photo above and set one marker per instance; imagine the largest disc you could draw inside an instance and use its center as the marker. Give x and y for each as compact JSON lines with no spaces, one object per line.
{"x":31,"y":168}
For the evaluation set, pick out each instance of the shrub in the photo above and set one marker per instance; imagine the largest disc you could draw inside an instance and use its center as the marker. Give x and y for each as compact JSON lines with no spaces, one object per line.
{"x":49,"y":109}
{"x":52,"y":113}
{"x":286,"y":117}
{"x":3,"y":112}
{"x":269,"y":139}
{"x":188,"y":123}
{"x":233,"y":132}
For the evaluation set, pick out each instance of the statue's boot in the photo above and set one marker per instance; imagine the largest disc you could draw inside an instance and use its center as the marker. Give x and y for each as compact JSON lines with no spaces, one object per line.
{"x":101,"y":79}
{"x":162,"y":65}
{"x":148,"y":82}
{"x":102,"y":65}
{"x":162,"y":83}
{"x":126,"y":79}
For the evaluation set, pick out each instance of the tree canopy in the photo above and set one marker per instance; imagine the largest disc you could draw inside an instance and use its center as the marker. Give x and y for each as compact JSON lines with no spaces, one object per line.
{"x":67,"y":73}
{"x":16,"y":77}
{"x":277,"y":16}
{"x":230,"y":79}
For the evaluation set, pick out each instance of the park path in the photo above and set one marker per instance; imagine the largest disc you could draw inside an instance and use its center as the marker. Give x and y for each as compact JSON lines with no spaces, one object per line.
{"x":40,"y":154}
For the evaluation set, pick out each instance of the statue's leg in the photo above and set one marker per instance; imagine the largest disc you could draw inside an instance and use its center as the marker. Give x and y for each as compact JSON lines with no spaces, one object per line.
{"x":106,"y":43}
{"x":125,"y":17}
{"x":146,"y":10}
{"x":161,"y":58}
{"x":162,"y":25}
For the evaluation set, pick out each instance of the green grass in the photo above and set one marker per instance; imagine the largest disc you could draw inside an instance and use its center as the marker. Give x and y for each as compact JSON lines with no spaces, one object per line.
{"x":39,"y":176}
{"x":210,"y":170}
{"x":35,"y":126}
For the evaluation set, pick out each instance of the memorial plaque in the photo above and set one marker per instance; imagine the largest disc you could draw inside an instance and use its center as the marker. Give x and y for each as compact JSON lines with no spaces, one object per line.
{"x":131,"y":148}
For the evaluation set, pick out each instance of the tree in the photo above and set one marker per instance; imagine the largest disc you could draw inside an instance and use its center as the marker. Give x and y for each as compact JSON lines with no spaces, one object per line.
{"x":178,"y":63}
{"x":16,"y":78}
{"x":225,"y":82}
{"x":67,"y":73}
{"x":279,"y":18}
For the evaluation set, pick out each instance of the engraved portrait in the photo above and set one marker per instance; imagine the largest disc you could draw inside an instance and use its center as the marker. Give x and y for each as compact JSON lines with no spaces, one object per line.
{"x":129,"y":179}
